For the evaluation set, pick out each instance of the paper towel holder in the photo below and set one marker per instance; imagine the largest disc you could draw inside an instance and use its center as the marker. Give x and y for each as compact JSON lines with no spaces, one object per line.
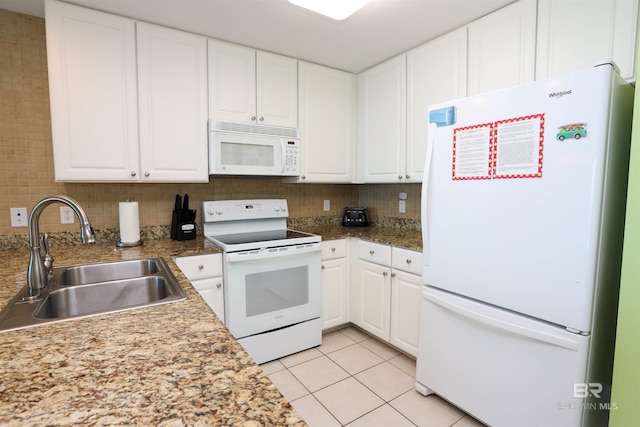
{"x":122,"y":244}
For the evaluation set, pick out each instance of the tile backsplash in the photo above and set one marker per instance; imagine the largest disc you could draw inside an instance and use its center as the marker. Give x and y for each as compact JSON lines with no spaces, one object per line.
{"x":26,"y":158}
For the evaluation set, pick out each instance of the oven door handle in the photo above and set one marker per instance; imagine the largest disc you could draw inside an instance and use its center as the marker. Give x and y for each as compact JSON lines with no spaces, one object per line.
{"x":272,"y":252}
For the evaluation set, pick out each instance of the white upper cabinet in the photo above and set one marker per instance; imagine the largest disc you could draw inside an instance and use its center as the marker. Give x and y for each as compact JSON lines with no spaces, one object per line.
{"x":277,"y":90}
{"x":382,"y":122}
{"x":172,"y":84}
{"x":92,"y":82}
{"x":574,"y":36}
{"x":100,"y":130}
{"x":502,"y":48}
{"x":232,"y":82}
{"x":436,"y":72}
{"x":327,"y":124}
{"x":249,"y":86}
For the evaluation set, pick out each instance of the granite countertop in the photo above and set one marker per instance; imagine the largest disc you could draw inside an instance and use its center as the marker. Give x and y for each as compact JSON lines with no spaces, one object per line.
{"x":408,"y":238}
{"x":168,"y":365}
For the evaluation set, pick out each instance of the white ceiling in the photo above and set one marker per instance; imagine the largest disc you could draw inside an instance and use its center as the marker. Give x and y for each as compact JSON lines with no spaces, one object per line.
{"x":381,"y":30}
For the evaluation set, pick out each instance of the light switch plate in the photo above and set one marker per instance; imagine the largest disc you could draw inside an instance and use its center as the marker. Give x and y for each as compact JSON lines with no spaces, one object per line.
{"x":327,"y":205}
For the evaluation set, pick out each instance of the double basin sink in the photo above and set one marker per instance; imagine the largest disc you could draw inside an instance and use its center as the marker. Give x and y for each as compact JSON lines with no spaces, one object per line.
{"x":87,"y":290}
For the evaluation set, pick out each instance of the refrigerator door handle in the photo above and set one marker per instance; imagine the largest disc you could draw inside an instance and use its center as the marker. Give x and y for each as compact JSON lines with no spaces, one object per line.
{"x":501,"y":324}
{"x":426,"y":199}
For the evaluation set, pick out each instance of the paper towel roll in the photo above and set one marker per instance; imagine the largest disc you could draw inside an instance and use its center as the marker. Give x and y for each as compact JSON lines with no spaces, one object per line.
{"x":129,"y":222}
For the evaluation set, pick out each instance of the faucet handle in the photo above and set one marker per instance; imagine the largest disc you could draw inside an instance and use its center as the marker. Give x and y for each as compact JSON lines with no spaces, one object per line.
{"x":48,"y":259}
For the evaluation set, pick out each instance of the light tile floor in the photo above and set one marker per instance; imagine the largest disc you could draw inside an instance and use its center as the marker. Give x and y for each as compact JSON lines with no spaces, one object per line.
{"x":353,"y":379}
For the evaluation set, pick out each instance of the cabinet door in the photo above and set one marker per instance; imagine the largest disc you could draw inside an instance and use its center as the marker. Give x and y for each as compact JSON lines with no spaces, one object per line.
{"x":436,"y":72}
{"x":92,"y":82}
{"x":277,"y":90}
{"x":335,"y":293}
{"x":327,"y":102}
{"x":373,"y":299}
{"x":172,"y":83}
{"x":405,"y":311}
{"x":212,"y":292}
{"x":232,"y":82}
{"x":502,"y":48}
{"x":573,"y":37}
{"x":382,"y":122}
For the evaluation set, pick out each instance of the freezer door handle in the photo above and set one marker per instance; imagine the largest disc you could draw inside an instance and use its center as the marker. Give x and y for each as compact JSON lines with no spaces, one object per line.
{"x":501,"y":324}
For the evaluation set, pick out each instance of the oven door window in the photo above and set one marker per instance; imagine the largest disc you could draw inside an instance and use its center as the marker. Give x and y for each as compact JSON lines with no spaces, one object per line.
{"x":263,"y":294}
{"x":272,"y":291}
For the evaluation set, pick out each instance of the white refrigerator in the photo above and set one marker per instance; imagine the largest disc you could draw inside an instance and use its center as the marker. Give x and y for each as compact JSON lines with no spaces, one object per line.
{"x":523,"y":204}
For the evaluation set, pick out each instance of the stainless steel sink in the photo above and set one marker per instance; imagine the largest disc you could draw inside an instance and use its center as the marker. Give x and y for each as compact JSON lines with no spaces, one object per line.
{"x":94,"y":273}
{"x":88,"y":290}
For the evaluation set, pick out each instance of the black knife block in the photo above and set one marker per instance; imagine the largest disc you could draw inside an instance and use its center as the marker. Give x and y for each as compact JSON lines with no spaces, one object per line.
{"x":182,"y":229}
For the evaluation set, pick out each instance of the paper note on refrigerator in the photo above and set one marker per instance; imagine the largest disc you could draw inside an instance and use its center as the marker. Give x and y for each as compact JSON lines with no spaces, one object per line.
{"x":472,"y":147}
{"x":504,"y":149}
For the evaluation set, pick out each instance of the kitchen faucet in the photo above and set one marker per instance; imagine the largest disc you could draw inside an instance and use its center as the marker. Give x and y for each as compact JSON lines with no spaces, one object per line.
{"x":39,"y":268}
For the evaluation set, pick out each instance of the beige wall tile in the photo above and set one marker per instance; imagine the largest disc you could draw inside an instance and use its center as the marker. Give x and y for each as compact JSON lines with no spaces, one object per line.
{"x":26,"y":158}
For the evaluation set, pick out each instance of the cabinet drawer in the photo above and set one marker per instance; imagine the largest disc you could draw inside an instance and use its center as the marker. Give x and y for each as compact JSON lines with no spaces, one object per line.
{"x":374,"y":252}
{"x":334,"y":249}
{"x":407,"y":260}
{"x":200,"y":266}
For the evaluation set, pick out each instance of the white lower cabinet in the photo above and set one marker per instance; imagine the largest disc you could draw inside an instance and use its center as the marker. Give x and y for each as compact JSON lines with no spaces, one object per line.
{"x":406,"y":283}
{"x":385,"y":293}
{"x":373,"y":299}
{"x":335,"y":283}
{"x":205,"y":274}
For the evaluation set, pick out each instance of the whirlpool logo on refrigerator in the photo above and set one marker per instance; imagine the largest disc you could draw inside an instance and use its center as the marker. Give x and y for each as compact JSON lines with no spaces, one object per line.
{"x":559,"y":94}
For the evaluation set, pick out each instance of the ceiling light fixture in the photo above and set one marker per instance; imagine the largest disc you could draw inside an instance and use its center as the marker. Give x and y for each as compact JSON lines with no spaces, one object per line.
{"x":334,"y":9}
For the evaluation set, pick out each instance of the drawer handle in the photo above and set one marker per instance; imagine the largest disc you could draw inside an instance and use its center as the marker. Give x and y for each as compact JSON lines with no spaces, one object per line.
{"x":372,"y":252}
{"x":200,"y":267}
{"x":393,"y":274}
{"x":322,"y":267}
{"x":218,"y":285}
{"x":408,"y":261}
{"x":333,"y":249}
{"x":385,"y":273}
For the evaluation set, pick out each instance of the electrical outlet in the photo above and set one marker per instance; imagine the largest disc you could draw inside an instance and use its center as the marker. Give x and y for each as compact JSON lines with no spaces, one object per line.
{"x":18,"y":217}
{"x":402,"y":206}
{"x":327,"y":205}
{"x":66,"y":215}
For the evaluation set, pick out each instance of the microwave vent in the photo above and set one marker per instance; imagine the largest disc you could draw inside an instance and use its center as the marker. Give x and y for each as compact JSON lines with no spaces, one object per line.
{"x":215,"y":125}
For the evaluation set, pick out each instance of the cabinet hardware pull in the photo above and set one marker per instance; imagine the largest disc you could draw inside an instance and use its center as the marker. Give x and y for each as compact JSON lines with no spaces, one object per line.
{"x":218,"y":285}
{"x":393,"y":274}
{"x":133,"y":173}
{"x":200,"y":267}
{"x":399,"y":176}
{"x":262,"y":119}
{"x":333,"y":249}
{"x":253,"y":118}
{"x":322,"y":267}
{"x":372,"y":251}
{"x":385,"y":273}
{"x":408,"y":261}
{"x":146,"y":174}
{"x":408,"y":176}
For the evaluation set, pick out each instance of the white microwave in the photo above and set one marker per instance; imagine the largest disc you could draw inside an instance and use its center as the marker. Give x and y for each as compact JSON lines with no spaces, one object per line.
{"x":246,"y":149}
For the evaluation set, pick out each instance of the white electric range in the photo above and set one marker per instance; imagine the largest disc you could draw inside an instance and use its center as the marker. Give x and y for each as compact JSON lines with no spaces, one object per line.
{"x":271,"y":276}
